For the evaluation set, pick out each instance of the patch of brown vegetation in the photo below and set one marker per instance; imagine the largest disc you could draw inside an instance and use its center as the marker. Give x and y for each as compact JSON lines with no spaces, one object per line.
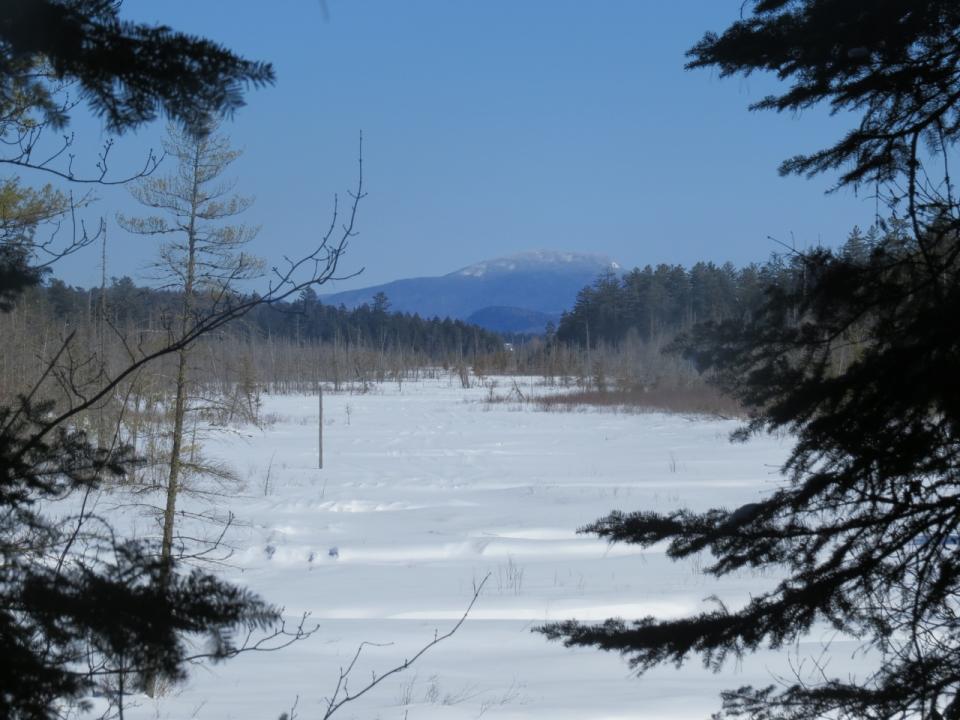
{"x":694,"y":400}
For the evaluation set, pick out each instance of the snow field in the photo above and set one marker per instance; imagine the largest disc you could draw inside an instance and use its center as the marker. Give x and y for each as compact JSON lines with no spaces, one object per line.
{"x":427,"y":489}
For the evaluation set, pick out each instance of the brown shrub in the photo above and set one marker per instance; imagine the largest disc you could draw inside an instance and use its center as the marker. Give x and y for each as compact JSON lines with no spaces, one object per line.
{"x":698,"y":399}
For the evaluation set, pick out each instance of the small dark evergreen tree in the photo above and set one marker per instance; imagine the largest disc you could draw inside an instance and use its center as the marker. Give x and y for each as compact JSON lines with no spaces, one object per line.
{"x":867,"y":523}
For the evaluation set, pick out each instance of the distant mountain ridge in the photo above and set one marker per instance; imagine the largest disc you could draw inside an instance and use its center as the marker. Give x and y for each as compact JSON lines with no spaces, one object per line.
{"x":519,"y":293}
{"x":513,"y":319}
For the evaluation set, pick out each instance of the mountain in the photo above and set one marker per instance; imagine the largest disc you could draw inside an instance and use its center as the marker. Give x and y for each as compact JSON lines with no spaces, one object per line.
{"x":513,"y":320}
{"x":520,"y":293}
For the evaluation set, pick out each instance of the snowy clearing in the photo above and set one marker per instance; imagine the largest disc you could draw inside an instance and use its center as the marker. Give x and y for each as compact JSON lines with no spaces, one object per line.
{"x":424,"y":491}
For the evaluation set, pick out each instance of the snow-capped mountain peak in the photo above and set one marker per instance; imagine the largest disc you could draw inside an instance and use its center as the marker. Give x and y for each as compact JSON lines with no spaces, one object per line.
{"x":519,"y":293}
{"x":541,"y":260}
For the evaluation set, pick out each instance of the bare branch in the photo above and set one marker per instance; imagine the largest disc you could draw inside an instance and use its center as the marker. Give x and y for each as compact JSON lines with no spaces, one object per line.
{"x":338,"y":700}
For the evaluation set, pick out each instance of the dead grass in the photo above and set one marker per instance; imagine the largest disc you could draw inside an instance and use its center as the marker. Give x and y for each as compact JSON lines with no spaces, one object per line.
{"x":695,"y":400}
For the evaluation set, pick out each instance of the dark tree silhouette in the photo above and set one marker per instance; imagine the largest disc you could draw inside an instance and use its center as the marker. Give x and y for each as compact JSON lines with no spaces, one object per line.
{"x":128,"y":72}
{"x":857,"y":358}
{"x":81,"y":608}
{"x":662,"y":301}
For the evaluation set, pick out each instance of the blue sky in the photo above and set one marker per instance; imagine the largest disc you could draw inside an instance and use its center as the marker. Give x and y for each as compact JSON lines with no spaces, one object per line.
{"x":496,"y":126}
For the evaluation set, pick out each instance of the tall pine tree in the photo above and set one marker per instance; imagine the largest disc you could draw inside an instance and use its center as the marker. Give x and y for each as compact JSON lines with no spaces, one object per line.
{"x":857,"y":359}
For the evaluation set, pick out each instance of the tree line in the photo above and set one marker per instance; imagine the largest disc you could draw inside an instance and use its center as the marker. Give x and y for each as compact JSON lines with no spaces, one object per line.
{"x":305,"y":320}
{"x":659,"y":302}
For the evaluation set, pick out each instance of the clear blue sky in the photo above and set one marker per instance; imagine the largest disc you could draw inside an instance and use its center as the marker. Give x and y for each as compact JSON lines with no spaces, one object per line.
{"x":496,"y":126}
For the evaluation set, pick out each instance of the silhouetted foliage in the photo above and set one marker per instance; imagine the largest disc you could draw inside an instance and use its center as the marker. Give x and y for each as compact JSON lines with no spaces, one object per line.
{"x":127,"y":71}
{"x":894,"y":62}
{"x":856,"y":357}
{"x":81,"y":609}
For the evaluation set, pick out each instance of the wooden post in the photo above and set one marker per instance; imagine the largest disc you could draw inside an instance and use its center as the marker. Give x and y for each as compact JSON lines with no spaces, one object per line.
{"x":320,"y":423}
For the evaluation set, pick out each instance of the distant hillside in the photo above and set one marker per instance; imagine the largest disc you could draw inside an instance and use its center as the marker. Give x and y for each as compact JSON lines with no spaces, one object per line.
{"x":513,"y":319}
{"x":520,"y":293}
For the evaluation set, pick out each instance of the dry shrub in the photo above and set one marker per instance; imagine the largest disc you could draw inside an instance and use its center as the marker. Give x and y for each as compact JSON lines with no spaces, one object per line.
{"x":697,"y":399}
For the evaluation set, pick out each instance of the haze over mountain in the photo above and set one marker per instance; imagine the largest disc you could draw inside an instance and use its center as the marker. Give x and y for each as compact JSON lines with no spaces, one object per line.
{"x":519,"y":293}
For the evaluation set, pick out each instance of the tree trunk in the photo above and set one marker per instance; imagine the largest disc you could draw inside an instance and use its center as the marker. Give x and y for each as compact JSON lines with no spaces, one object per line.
{"x":173,"y":481}
{"x":180,"y":403}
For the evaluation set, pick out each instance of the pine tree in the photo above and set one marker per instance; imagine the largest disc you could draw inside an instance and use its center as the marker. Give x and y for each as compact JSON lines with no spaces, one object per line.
{"x":201,"y":259}
{"x":866,"y":522}
{"x":82,"y":609}
{"x":128,"y":72}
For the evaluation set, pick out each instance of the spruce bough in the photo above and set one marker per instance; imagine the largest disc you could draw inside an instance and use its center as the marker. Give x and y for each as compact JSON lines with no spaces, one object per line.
{"x":857,"y":359}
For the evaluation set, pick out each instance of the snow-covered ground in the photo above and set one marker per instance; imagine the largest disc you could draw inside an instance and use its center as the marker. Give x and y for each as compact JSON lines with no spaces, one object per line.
{"x":427,"y":489}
